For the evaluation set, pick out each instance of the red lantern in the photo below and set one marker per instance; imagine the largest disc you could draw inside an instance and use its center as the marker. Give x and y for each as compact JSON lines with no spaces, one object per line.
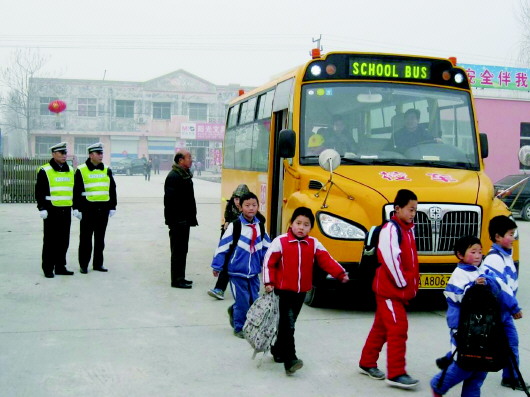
{"x":56,"y":106}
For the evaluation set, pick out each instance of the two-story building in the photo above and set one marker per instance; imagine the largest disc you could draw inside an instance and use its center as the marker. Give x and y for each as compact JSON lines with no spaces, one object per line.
{"x":133,"y":119}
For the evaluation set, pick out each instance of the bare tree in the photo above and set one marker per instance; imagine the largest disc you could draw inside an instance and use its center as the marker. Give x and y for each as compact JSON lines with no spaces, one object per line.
{"x":15,"y":105}
{"x":524,"y":20}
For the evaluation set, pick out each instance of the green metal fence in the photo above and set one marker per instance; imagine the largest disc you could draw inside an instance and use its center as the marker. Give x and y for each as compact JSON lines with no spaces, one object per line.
{"x":17,"y":179}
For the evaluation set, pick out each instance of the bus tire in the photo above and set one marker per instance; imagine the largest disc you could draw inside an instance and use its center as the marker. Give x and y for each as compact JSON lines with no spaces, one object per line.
{"x":525,"y":212}
{"x":315,"y":297}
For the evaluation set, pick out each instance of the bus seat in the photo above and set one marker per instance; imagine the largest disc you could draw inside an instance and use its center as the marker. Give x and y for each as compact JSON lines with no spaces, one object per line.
{"x":397,"y":122}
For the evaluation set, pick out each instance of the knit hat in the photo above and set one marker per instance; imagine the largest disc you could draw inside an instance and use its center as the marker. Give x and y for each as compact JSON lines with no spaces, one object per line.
{"x":241,"y":190}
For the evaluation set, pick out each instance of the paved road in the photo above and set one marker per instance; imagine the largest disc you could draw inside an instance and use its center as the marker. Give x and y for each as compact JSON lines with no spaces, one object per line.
{"x":127,"y":333}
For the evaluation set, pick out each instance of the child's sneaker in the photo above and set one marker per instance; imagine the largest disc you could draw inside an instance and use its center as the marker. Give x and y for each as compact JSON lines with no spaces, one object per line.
{"x":292,"y":366}
{"x":239,"y":334}
{"x":217,"y":293}
{"x":230,"y":311}
{"x":514,"y":384}
{"x":403,"y":381}
{"x":374,"y":373}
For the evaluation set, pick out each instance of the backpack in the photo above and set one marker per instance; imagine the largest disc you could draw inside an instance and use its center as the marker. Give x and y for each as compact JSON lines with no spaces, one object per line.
{"x":481,"y":340}
{"x":261,"y":325}
{"x":369,"y":259}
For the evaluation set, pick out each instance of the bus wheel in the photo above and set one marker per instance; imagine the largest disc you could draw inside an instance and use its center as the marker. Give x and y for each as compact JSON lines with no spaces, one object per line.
{"x":525,"y":212}
{"x":316,"y":297}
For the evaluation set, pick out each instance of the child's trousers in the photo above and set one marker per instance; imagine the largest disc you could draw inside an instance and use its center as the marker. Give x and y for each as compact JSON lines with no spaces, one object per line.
{"x":472,"y":381}
{"x":390,"y":326}
{"x":245,"y":292}
{"x":290,"y":305}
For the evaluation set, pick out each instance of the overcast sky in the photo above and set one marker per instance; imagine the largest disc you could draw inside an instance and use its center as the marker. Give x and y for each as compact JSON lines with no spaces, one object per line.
{"x":248,"y":41}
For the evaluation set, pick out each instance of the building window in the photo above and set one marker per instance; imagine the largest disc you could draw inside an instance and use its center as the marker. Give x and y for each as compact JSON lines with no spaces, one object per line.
{"x":87,"y":107}
{"x":81,"y":144}
{"x":44,"y":102}
{"x":198,"y":111}
{"x":44,"y":143}
{"x":125,"y":109}
{"x":162,"y":110}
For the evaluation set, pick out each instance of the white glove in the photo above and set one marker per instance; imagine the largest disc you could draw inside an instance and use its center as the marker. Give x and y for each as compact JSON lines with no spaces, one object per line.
{"x":43,"y":214}
{"x":111,"y":213}
{"x":77,"y":214}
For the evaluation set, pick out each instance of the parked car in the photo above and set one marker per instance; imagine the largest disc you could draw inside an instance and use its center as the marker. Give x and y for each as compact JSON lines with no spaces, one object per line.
{"x":522,"y":204}
{"x":128,"y":166}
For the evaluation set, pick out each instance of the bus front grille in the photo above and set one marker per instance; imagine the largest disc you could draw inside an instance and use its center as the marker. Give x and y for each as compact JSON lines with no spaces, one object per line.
{"x":438,"y":226}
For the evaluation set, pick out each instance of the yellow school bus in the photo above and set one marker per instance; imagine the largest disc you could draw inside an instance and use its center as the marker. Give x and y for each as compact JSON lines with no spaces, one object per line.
{"x":343,"y":133}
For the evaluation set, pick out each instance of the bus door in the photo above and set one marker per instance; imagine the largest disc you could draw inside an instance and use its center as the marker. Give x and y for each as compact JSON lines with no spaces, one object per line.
{"x":280,"y":121}
{"x":280,"y":110}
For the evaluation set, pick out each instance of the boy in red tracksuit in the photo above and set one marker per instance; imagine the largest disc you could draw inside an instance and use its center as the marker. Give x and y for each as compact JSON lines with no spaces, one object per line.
{"x":288,"y":270}
{"x":396,"y":282}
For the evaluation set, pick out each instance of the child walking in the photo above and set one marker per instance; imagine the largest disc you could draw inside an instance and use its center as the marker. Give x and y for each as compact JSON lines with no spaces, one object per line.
{"x":245,"y":262}
{"x":288,"y":271}
{"x":232,"y":211}
{"x":468,"y":250}
{"x":499,"y":264}
{"x":396,"y":282}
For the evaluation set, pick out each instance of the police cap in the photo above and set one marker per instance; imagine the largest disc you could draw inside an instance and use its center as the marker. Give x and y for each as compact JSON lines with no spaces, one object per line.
{"x":59,"y":147}
{"x":96,"y":147}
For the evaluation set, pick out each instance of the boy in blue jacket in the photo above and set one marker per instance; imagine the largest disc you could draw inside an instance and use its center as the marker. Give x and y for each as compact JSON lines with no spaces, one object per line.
{"x":468,"y":250}
{"x":498,"y":263}
{"x":245,"y":262}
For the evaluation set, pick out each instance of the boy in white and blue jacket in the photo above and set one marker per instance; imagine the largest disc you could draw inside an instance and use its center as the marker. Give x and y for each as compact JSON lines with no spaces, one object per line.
{"x":468,"y":250}
{"x":245,"y":263}
{"x":498,"y":263}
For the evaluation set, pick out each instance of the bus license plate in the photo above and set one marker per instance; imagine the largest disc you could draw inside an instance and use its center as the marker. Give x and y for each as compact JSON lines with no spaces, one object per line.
{"x":434,"y":280}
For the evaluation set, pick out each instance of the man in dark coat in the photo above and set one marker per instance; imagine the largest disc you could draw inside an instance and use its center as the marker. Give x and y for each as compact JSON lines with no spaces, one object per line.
{"x":180,"y":213}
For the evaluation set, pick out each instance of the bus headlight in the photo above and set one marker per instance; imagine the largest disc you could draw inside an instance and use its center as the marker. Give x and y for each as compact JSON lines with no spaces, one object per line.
{"x":459,"y":78}
{"x":316,"y":70}
{"x":338,"y":228}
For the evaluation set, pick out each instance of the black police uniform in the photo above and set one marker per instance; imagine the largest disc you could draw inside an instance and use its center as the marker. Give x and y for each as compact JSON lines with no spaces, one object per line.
{"x":94,"y":220}
{"x":56,"y":226}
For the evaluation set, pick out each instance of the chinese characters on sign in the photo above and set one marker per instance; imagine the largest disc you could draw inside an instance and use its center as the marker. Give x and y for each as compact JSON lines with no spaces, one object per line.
{"x":484,"y":76}
{"x":202,"y":131}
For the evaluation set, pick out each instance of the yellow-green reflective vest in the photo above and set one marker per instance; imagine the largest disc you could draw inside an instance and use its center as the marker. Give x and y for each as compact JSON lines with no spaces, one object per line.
{"x":97,"y":183}
{"x":61,"y":186}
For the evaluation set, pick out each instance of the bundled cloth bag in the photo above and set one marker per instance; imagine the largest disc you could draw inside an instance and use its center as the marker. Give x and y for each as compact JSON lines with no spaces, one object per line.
{"x":261,"y":325}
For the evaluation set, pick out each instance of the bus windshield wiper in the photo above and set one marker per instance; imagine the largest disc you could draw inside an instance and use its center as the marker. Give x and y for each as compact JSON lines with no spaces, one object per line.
{"x":441,"y":164}
{"x":349,"y":160}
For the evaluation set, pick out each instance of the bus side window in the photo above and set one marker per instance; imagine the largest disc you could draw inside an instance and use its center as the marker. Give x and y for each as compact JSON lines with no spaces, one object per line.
{"x":233,"y":114}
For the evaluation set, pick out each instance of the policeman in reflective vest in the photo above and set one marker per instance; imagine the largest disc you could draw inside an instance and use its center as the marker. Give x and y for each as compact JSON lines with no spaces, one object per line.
{"x":54,"y":193}
{"x":94,"y":202}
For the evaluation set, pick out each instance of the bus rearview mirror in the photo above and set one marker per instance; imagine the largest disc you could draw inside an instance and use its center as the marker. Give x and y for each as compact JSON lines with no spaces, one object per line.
{"x":483,"y":145}
{"x":286,"y":144}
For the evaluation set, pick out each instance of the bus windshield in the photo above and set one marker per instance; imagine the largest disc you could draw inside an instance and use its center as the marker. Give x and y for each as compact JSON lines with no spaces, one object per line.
{"x":388,"y":123}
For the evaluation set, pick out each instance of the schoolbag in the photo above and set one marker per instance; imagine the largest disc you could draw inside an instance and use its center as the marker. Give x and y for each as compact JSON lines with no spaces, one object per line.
{"x":371,"y":242}
{"x":261,"y":325}
{"x":481,"y":341}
